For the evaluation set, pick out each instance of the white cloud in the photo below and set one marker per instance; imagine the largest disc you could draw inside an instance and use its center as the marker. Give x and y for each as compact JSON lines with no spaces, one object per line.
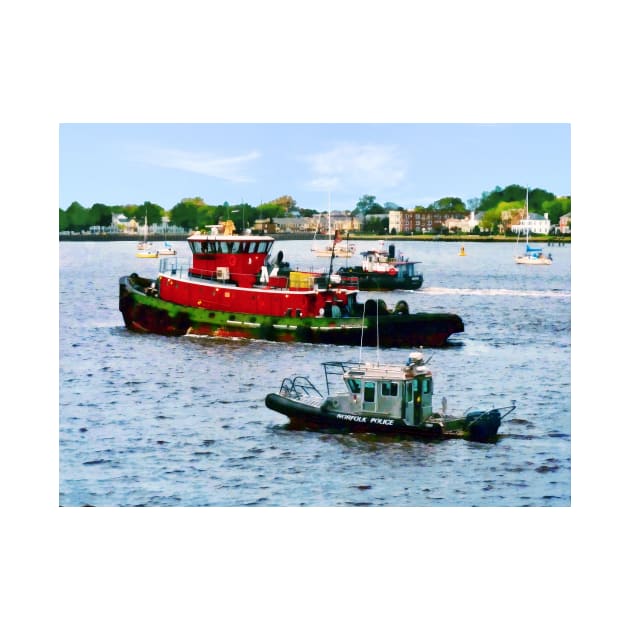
{"x":356,"y":165}
{"x":221,"y":167}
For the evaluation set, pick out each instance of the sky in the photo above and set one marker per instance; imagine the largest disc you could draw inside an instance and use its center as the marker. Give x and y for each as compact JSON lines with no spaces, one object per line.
{"x":407,"y":164}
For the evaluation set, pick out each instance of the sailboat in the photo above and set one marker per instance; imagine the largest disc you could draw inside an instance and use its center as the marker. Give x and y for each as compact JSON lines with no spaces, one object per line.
{"x":338,"y":249}
{"x":532,"y":255}
{"x":144,"y":250}
{"x":167,"y":250}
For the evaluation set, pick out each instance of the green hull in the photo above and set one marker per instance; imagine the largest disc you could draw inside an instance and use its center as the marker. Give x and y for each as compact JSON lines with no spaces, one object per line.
{"x":147,"y":313}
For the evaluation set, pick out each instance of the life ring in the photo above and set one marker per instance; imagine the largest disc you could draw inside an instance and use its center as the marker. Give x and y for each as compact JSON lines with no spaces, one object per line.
{"x":232,"y":260}
{"x":392,"y":271}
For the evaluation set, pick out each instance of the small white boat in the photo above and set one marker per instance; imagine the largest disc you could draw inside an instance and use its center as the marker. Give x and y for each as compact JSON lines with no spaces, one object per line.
{"x":532,"y":255}
{"x":332,"y":248}
{"x":338,"y":250}
{"x":167,"y":250}
{"x":144,"y":249}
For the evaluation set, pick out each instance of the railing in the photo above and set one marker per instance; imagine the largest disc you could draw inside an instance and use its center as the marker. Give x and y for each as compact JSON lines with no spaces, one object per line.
{"x":298,"y":387}
{"x":172,"y":266}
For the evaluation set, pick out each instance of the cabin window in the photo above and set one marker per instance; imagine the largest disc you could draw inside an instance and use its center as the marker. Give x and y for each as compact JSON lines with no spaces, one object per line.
{"x":262,"y":247}
{"x":223,"y":247}
{"x":389,"y":389}
{"x":251,"y":247}
{"x":426,"y":387}
{"x":354,"y":385}
{"x":368,"y":392}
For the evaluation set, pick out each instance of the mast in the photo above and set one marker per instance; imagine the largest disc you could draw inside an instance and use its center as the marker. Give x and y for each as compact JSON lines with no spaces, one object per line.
{"x":329,"y":226}
{"x":527,"y":216}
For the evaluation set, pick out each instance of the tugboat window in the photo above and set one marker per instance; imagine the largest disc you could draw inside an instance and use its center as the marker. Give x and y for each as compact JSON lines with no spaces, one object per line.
{"x":368,"y":392}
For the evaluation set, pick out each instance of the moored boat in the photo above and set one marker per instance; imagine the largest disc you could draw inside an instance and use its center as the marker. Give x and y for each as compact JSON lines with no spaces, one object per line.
{"x":167,"y":250}
{"x":144,"y":249}
{"x":390,"y":399}
{"x":146,"y":253}
{"x":233,"y":289}
{"x":532,"y":255}
{"x":382,"y":270}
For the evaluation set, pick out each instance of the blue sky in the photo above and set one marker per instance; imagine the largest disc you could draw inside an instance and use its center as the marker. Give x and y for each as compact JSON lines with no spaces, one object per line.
{"x":407,"y":164}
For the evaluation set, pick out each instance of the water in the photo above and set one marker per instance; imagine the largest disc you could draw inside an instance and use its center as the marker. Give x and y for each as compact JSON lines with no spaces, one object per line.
{"x":146,"y":420}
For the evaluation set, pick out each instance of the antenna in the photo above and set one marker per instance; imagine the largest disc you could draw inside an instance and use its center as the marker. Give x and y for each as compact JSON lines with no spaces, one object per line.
{"x":362,"y":329}
{"x":378,"y":345}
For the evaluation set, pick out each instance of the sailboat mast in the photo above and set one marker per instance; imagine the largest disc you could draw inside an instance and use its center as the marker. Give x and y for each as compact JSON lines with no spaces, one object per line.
{"x":329,"y":225}
{"x":527,"y":216}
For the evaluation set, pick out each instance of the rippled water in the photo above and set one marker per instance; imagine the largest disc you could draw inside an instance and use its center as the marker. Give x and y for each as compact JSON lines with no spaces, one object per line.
{"x":155,"y":421}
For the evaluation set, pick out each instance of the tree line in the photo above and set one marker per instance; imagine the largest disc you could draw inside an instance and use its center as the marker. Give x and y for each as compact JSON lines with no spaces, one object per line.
{"x":190,"y":213}
{"x":195,"y":213}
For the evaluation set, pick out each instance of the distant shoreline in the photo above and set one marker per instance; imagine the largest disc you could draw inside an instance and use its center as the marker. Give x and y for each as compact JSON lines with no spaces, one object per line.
{"x":467,"y":238}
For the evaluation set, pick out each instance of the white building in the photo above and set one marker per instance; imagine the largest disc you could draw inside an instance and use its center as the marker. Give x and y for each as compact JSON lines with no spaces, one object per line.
{"x":534,"y":224}
{"x":464,"y":225}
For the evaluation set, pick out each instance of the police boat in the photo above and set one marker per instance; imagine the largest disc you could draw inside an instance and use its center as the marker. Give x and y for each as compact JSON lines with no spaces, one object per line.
{"x":382,"y":399}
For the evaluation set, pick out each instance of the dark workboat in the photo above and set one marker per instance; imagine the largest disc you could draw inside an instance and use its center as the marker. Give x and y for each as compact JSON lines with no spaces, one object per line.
{"x":233,"y":289}
{"x":382,"y":270}
{"x":391,"y":399}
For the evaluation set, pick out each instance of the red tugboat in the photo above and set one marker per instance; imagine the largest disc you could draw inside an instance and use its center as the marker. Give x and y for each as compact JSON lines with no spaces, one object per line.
{"x":233,"y":289}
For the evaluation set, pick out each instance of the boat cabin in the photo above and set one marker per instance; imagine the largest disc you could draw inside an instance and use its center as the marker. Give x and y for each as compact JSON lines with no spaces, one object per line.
{"x":397,"y":392}
{"x":387,"y":262}
{"x":229,"y":257}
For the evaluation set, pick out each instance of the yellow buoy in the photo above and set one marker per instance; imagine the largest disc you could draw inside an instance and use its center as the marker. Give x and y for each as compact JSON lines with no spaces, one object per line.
{"x":462,"y":252}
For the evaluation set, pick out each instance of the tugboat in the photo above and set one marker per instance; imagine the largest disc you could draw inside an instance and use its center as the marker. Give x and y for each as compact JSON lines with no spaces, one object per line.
{"x":382,"y":270}
{"x":233,"y":289}
{"x":391,"y":399}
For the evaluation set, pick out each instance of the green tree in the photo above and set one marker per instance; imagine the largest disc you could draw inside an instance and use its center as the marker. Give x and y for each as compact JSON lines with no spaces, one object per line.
{"x":185,"y":214}
{"x":448,"y":204}
{"x":286,"y":202}
{"x":365,"y":204}
{"x":152,"y":211}
{"x":491,"y":220}
{"x":77,"y":217}
{"x":270,"y":209}
{"x":242,"y":215}
{"x":557,"y":207}
{"x":375,"y":209}
{"x":63,"y":220}
{"x":374,"y":225}
{"x":102,"y":214}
